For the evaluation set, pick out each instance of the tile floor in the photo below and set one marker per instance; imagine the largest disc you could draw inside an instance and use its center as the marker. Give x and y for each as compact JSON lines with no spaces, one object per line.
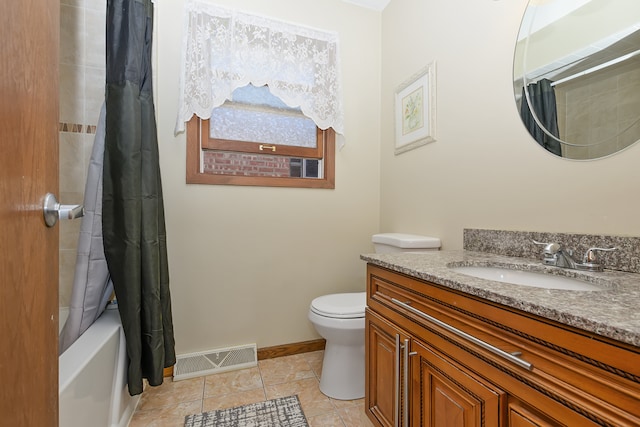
{"x":168,"y":404}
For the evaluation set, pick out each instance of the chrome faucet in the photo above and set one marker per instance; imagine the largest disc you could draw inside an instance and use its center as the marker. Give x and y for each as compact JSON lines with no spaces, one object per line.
{"x":554,"y":254}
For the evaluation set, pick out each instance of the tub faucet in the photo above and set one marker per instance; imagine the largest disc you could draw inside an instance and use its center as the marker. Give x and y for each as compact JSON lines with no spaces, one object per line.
{"x":554,"y":254}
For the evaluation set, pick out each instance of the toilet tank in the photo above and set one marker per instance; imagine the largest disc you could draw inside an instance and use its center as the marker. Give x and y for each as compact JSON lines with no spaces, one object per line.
{"x":386,"y":243}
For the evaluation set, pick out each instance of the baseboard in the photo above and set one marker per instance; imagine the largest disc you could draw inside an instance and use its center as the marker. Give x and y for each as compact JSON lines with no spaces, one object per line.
{"x":167,"y":372}
{"x":277,"y":351}
{"x":290,"y":349}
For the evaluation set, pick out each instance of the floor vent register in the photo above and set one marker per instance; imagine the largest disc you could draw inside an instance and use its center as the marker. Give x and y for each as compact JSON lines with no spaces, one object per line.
{"x":214,"y":361}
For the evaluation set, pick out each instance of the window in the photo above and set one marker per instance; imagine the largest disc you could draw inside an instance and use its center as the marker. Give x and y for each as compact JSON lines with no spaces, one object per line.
{"x":239,"y":134}
{"x":256,"y":139}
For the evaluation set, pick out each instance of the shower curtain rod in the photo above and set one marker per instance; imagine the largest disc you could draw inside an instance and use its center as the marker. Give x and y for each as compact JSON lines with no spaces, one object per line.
{"x":597,"y":67}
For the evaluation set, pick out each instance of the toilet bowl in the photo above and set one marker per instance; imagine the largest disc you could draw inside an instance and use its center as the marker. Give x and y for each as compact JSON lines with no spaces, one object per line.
{"x":339,"y":319}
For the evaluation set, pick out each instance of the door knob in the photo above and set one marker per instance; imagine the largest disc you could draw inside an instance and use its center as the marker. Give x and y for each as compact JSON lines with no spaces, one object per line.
{"x":54,"y":210}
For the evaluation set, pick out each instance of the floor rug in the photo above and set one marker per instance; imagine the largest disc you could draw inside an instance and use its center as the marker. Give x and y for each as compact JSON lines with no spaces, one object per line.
{"x":280,"y":412}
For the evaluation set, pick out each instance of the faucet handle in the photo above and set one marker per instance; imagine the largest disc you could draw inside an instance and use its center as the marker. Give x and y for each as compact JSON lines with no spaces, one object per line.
{"x":590,"y":255}
{"x":549,"y":248}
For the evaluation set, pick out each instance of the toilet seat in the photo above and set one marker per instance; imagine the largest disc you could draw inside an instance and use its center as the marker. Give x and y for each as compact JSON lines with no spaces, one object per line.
{"x":340,"y":306}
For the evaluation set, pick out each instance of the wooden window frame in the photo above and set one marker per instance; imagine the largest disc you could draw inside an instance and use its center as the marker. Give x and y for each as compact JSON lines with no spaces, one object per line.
{"x":198,"y":138}
{"x":261,"y":148}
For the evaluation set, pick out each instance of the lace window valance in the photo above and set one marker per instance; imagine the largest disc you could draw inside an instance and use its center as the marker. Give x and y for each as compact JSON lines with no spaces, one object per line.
{"x":224,"y":49}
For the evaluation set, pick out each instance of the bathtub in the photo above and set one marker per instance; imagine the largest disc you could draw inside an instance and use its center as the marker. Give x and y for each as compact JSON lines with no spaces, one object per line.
{"x":92,"y":377}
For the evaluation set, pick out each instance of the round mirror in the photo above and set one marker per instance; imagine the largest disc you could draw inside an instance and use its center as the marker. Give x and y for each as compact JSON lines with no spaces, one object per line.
{"x":577,"y":75}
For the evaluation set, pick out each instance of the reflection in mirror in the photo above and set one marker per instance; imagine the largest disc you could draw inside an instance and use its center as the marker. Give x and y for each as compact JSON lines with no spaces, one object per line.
{"x":577,"y":75}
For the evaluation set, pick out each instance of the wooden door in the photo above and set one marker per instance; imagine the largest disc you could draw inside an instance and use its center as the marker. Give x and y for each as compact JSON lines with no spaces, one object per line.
{"x":382,"y":368}
{"x":29,"y":30}
{"x":445,"y":394}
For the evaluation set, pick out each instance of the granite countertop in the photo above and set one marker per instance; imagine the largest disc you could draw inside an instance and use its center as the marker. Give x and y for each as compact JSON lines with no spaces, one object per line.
{"x":613,"y":312}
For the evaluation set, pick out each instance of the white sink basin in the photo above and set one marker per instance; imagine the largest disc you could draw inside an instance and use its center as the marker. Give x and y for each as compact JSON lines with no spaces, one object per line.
{"x":527,"y":278}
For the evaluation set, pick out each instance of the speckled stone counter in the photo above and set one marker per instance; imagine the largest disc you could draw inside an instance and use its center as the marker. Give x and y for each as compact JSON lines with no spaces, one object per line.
{"x":626,"y":257}
{"x":613,"y":312}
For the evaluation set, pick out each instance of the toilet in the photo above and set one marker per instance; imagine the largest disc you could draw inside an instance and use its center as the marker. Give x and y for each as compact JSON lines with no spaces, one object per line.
{"x":339,"y":319}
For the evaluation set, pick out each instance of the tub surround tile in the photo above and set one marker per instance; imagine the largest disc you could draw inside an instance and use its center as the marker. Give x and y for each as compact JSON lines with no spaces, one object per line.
{"x":72,"y":31}
{"x":72,"y":93}
{"x":94,"y":89}
{"x":612,"y":312}
{"x":72,"y":172}
{"x":69,"y":230}
{"x":95,"y":4}
{"x":76,"y":3}
{"x":95,"y":37}
{"x":66,"y":271}
{"x":88,"y":140}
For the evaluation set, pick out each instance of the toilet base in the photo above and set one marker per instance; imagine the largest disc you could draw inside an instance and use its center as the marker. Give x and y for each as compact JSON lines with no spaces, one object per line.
{"x":343,"y":371}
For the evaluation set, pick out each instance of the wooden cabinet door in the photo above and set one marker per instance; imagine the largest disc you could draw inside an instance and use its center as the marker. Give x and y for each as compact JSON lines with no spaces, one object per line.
{"x":519,"y":416}
{"x":445,"y":394}
{"x":383,"y":381}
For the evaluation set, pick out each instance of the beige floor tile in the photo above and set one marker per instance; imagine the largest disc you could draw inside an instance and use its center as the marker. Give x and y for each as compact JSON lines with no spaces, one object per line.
{"x":354,"y":416}
{"x":233,"y":399}
{"x":168,"y":404}
{"x":168,"y":416}
{"x":232,"y":382}
{"x":311,"y":398}
{"x":314,"y":359}
{"x":329,"y":419}
{"x":342,"y":404}
{"x":284,"y":369}
{"x":172,"y":393}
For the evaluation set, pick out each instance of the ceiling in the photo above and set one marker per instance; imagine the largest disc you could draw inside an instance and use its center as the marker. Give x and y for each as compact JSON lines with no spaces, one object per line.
{"x":378,"y":5}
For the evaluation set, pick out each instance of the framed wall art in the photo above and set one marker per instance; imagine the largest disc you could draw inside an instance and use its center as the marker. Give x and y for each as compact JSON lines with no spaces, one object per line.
{"x":415,"y":110}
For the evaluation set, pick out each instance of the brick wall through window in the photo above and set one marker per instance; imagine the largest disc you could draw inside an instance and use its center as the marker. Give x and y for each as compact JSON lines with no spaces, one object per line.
{"x":245,"y":164}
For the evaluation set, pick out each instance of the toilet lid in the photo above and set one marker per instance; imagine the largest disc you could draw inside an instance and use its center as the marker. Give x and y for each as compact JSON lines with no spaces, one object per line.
{"x":342,"y":306}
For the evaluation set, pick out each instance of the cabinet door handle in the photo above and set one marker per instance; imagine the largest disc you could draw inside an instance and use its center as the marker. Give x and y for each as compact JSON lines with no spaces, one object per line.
{"x":397,"y":382}
{"x":493,"y":349}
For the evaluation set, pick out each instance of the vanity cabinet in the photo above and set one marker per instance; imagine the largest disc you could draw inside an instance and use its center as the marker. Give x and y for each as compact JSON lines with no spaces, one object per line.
{"x":385,"y":379}
{"x":448,"y":394}
{"x":443,"y":392}
{"x":439,"y":357}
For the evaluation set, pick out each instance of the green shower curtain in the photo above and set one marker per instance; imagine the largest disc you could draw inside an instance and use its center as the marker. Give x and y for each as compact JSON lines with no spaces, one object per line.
{"x":133,"y":212}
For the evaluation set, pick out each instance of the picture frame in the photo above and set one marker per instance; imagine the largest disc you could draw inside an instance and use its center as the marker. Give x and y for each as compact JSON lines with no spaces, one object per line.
{"x":415,"y":114}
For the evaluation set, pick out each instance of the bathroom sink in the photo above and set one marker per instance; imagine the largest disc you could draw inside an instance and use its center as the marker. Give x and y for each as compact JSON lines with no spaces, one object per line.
{"x":527,"y":278}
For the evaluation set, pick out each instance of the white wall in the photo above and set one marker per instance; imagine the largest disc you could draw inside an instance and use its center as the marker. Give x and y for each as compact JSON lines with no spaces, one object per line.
{"x":484,"y":170}
{"x":245,"y":262}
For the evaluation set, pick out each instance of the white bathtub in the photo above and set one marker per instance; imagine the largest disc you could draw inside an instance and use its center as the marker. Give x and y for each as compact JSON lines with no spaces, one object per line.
{"x":92,"y":377}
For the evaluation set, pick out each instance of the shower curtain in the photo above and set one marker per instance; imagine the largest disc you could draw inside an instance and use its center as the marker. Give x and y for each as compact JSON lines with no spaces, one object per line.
{"x":542,"y":97}
{"x":132,"y":205}
{"x":92,"y":286}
